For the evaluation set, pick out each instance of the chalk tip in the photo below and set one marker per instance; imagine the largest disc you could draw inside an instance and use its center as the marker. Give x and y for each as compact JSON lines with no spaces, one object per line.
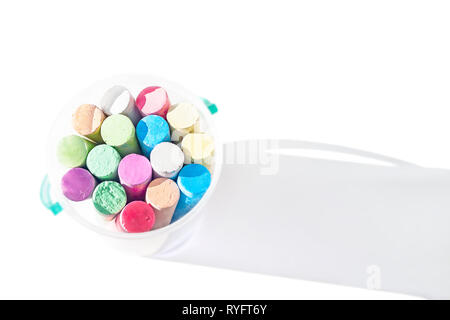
{"x":136,"y":217}
{"x":194,"y":179}
{"x":109,"y":198}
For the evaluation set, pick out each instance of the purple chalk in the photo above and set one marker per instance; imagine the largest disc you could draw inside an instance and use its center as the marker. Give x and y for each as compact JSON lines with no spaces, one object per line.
{"x":77,"y":184}
{"x":135,"y":173}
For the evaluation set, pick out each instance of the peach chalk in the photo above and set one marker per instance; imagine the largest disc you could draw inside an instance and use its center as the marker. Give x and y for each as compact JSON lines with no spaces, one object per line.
{"x":163,"y":195}
{"x":87,"y":120}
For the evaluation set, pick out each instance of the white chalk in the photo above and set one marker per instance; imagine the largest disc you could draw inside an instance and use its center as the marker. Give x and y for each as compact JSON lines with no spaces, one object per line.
{"x":167,"y":160}
{"x":118,"y":100}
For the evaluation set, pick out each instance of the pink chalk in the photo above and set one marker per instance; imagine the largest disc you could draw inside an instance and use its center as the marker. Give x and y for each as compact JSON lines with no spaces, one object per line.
{"x":135,"y":173}
{"x":153,"y":100}
{"x":137,"y":216}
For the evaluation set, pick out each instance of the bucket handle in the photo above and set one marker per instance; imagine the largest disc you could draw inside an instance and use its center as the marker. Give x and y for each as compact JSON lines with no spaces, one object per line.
{"x":211,"y":106}
{"x":46,"y":199}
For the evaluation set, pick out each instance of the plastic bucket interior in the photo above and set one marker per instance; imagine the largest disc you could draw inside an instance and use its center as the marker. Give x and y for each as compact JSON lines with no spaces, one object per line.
{"x":148,"y":243}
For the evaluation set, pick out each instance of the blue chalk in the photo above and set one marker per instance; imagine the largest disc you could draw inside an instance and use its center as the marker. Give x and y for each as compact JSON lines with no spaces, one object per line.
{"x":193,"y":181}
{"x":150,"y":131}
{"x":185,"y":204}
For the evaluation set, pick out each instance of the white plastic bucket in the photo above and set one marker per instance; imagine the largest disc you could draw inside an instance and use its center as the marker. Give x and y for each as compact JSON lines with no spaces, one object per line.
{"x":345,"y":222}
{"x":148,"y":243}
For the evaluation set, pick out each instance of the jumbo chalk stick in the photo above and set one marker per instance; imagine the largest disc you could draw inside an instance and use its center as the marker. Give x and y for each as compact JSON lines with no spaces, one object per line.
{"x":167,"y":160}
{"x":87,"y":120}
{"x":73,"y":150}
{"x":135,"y":173}
{"x":103,"y":162}
{"x":152,"y":130}
{"x":77,"y":184}
{"x":118,"y":100}
{"x":153,"y":100}
{"x":118,"y":131}
{"x":182,"y":119}
{"x":109,"y":198}
{"x":198,"y":148}
{"x":163,"y":195}
{"x":137,"y":216}
{"x":193,"y":181}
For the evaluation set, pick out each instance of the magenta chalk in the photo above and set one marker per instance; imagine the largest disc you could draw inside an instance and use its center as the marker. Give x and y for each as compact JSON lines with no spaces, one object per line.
{"x":137,"y":216}
{"x":153,"y":100}
{"x":77,"y":184}
{"x":135,"y":173}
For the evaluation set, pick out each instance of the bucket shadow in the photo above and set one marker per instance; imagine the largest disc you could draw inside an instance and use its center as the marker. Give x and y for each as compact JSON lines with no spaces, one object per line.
{"x":378,"y":226}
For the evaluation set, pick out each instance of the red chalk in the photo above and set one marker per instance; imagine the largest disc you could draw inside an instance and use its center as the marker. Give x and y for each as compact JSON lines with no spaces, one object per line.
{"x":153,"y":100}
{"x":137,"y":216}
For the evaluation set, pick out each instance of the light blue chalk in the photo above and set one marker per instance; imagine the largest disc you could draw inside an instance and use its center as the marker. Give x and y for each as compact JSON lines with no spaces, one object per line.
{"x":150,"y":131}
{"x":193,"y":181}
{"x":185,"y":204}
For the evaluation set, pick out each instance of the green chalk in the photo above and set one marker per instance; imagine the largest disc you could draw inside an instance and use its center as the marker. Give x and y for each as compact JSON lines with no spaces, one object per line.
{"x":103,"y":162}
{"x":118,"y":131}
{"x":109,"y":198}
{"x":72,"y":151}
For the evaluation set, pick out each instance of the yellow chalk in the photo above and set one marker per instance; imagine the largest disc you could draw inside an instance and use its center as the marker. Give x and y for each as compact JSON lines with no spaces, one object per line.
{"x":198,"y":148}
{"x":182,"y":119}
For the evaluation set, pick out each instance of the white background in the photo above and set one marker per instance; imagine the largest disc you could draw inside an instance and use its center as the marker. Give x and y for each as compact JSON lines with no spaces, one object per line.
{"x":372,"y":75}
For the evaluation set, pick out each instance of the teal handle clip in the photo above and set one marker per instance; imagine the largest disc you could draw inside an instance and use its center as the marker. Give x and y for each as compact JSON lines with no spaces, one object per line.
{"x":46,"y":200}
{"x":211,"y":106}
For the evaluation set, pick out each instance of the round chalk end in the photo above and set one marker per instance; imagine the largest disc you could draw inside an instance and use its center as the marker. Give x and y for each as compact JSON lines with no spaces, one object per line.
{"x":134,"y":169}
{"x":167,"y":160}
{"x":87,"y":119}
{"x":153,"y":100}
{"x":152,"y":130}
{"x":109,"y":198}
{"x":194,"y":179}
{"x":182,"y":115}
{"x":103,"y":162}
{"x":116,"y":99}
{"x":198,"y":146}
{"x":137,"y":216}
{"x":73,"y":150}
{"x":162,"y":193}
{"x":77,"y":184}
{"x":117,"y":130}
